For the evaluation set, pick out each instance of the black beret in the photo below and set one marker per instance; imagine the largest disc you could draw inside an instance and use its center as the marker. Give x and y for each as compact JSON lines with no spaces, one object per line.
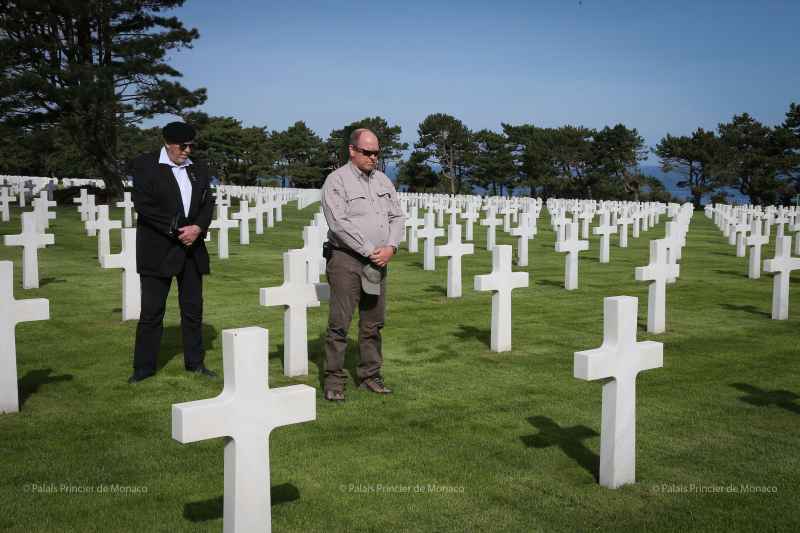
{"x":178,"y":132}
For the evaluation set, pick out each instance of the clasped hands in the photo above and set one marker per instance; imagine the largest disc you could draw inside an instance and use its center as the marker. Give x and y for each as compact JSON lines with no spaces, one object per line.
{"x":188,"y":234}
{"x":381,"y":255}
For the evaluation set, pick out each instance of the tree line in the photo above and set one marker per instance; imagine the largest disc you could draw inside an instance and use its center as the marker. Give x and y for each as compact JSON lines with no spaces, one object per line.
{"x":79,"y":78}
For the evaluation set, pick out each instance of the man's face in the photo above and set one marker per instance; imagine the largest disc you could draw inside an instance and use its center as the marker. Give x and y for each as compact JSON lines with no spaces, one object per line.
{"x":365,"y":155}
{"x":179,"y":152}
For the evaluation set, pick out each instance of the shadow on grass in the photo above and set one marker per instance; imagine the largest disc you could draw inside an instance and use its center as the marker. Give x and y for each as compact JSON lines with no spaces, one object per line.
{"x":172,"y":344}
{"x":762,"y":398}
{"x":568,"y":439}
{"x":437,"y":289}
{"x":29,"y":383}
{"x":753,"y":310}
{"x":550,"y":283}
{"x":211,"y":509}
{"x":48,"y":281}
{"x":734,"y":273}
{"x":471,"y":332}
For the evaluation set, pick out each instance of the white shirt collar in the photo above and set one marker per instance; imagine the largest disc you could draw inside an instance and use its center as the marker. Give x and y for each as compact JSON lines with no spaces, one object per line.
{"x":164,"y":159}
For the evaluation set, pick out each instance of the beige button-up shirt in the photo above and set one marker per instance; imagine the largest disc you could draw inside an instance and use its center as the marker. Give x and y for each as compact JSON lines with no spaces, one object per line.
{"x":363,"y":212}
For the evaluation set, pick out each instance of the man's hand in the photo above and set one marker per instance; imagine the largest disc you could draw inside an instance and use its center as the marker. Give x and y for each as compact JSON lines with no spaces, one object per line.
{"x":188,"y":234}
{"x":381,"y":256}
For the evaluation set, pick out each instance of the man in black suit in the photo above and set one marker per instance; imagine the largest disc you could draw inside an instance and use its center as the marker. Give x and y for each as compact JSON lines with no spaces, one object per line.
{"x":174,"y":207}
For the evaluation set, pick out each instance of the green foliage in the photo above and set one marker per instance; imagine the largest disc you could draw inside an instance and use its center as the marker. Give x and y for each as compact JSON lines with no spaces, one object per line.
{"x":416,"y":175}
{"x":493,"y":165}
{"x":698,"y":158}
{"x":91,"y":68}
{"x":448,"y":144}
{"x":301,"y":156}
{"x":752,"y":158}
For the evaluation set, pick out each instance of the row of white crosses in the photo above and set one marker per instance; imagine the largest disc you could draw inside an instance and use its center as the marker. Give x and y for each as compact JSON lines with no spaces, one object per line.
{"x":736,"y":222}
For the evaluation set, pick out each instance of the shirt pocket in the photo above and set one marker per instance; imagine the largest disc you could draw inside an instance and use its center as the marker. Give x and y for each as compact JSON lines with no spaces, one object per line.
{"x":385,"y":199}
{"x":357,"y":201}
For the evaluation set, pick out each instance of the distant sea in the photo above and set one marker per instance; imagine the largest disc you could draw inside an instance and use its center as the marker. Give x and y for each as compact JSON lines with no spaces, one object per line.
{"x":669,"y":179}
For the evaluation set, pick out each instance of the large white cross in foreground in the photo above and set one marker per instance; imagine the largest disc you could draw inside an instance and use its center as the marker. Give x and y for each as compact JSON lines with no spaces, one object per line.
{"x":12,"y":312}
{"x":781,"y":265}
{"x":245,"y":414}
{"x":621,"y":358}
{"x":502,"y":281}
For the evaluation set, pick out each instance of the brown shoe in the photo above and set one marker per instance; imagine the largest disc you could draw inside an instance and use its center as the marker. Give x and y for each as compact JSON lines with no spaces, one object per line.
{"x":375,"y":384}
{"x":334,"y":395}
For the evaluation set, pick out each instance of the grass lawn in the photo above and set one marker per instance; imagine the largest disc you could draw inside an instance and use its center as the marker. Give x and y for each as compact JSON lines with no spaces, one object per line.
{"x":471,"y":440}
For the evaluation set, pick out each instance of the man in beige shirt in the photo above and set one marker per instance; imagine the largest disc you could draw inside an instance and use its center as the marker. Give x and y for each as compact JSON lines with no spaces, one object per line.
{"x":366,"y":223}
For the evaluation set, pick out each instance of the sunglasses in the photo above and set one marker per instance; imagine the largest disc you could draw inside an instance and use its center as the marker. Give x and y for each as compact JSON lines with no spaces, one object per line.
{"x":184,"y":146}
{"x":368,"y":153}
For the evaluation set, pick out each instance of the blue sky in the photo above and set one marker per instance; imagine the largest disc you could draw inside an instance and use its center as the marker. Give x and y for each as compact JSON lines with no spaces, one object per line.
{"x":668,"y":66}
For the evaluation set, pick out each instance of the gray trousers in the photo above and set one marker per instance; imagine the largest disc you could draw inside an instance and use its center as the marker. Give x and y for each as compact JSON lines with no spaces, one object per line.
{"x":344,"y":277}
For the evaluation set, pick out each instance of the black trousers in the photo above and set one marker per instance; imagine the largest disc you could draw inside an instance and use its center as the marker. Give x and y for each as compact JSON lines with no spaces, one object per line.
{"x":151,"y":319}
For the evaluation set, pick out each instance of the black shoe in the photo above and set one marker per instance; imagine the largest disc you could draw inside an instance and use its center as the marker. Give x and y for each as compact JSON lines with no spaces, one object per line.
{"x":202,"y":371}
{"x":136,"y":378}
{"x":375,"y":384}
{"x":334,"y":395}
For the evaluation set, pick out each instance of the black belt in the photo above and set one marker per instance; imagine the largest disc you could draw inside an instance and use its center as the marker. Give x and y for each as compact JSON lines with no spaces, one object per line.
{"x":351,"y":253}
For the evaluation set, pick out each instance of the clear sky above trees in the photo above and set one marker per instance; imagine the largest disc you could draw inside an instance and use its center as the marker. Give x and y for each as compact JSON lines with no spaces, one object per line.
{"x":658,"y":66}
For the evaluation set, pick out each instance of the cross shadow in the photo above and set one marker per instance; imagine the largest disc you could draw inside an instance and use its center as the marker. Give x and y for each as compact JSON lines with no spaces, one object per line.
{"x":762,"y":398}
{"x":211,"y":509}
{"x":437,"y":289}
{"x":550,"y":283}
{"x":471,"y":332}
{"x":568,"y":439}
{"x":48,"y":281}
{"x":747,"y":309}
{"x":734,"y":273}
{"x":172,"y":343}
{"x":29,"y":383}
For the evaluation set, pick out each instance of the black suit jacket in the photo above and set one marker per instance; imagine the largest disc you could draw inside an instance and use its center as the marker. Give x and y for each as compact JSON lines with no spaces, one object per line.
{"x":158,"y":204}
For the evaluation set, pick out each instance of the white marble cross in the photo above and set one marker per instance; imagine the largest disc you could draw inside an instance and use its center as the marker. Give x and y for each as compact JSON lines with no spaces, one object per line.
{"x":674,"y":243}
{"x":429,"y":232}
{"x":243,"y":216}
{"x":244,"y":414}
{"x":12,"y":312}
{"x":782,"y":266}
{"x":81,"y":200}
{"x":103,"y":226}
{"x":605,"y":229}
{"x":127,"y":205}
{"x":453,"y":250}
{"x":501,"y":281}
{"x":312,"y":248}
{"x":740,"y":231}
{"x":470,"y":216}
{"x":88,"y":213}
{"x":222,"y":223}
{"x":621,"y":358}
{"x":126,"y":260}
{"x":5,"y":204}
{"x":623,"y":222}
{"x":413,"y":222}
{"x":585,"y":217}
{"x":296,"y":295}
{"x":41,"y":206}
{"x":31,"y":239}
{"x":491,"y":222}
{"x":526,"y":230}
{"x":755,"y":241}
{"x":572,"y":246}
{"x":658,"y":271}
